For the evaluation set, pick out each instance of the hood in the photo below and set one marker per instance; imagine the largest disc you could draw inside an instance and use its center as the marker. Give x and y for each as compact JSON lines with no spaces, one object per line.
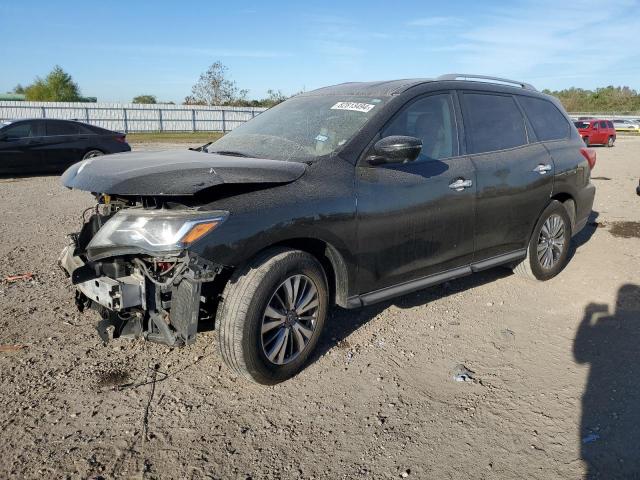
{"x":174,"y":172}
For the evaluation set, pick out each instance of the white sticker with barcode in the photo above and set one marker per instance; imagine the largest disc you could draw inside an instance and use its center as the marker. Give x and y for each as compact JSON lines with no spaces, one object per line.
{"x":354,"y":106}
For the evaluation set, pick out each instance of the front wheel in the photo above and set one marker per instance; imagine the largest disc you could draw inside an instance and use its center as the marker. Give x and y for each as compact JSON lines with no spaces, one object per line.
{"x":586,"y":141}
{"x":548,"y":249}
{"x":271,"y":316}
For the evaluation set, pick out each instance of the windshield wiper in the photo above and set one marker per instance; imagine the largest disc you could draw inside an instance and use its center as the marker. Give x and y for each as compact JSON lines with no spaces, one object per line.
{"x":231,"y":153}
{"x":202,"y":148}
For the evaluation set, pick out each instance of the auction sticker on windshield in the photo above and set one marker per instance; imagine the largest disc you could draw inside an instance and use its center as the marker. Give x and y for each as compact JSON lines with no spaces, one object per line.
{"x":356,"y":107}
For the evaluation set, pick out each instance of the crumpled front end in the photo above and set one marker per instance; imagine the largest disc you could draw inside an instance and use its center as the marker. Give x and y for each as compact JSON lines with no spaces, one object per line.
{"x":131,"y":263}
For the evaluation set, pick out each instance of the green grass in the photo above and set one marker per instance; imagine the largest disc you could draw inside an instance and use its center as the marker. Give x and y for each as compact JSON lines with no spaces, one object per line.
{"x":173,"y":137}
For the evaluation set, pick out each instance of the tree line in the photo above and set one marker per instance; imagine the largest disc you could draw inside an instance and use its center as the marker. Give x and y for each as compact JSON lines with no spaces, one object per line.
{"x":215,"y":87}
{"x":606,"y":100}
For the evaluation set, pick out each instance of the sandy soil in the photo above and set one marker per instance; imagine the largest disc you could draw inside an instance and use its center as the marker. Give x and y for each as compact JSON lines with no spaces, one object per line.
{"x":555,"y":365}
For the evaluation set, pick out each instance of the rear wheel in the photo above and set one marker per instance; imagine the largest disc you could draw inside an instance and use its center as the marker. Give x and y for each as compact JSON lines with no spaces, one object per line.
{"x":271,"y":316}
{"x":92,"y":153}
{"x":610,"y":142}
{"x":548,"y":249}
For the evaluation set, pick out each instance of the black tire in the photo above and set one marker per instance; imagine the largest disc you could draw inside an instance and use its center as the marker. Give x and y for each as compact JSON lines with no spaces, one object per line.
{"x":243,"y":308}
{"x":586,"y":141}
{"x":93,"y":153}
{"x":532,"y":267}
{"x":610,"y":142}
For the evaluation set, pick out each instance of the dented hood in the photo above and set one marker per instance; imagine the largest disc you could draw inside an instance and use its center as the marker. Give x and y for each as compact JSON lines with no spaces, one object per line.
{"x":174,"y":172}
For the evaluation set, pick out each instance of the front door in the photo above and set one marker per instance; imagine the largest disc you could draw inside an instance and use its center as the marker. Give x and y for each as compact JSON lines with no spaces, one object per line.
{"x":20,"y":148}
{"x":416,"y":219}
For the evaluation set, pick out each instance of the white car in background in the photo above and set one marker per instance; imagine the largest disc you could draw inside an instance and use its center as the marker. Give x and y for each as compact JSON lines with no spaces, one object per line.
{"x":626,"y":125}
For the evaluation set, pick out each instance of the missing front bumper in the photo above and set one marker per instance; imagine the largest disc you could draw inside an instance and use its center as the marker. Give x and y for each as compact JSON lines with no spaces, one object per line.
{"x":133,"y":306}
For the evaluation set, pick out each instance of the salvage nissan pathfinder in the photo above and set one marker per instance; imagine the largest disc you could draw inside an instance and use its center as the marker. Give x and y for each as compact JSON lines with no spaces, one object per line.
{"x":346,"y":195}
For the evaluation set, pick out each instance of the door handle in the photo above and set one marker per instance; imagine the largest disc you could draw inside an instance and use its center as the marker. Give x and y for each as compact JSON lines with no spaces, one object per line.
{"x":460,"y":185}
{"x":542,"y":169}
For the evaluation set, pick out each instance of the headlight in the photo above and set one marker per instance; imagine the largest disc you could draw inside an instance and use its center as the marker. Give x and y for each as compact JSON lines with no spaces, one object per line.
{"x":152,"y":231}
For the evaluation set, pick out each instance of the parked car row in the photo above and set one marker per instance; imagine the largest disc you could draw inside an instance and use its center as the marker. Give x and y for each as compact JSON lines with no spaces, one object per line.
{"x":51,"y":145}
{"x":623,"y":125}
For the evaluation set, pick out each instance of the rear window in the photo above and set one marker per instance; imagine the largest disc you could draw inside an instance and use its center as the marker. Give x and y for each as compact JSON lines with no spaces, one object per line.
{"x":493,"y":122}
{"x":547,"y":121}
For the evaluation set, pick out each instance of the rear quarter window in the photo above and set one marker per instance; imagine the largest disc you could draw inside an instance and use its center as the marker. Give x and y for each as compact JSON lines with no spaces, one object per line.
{"x":610,"y":124}
{"x":493,"y":122}
{"x":547,"y":121}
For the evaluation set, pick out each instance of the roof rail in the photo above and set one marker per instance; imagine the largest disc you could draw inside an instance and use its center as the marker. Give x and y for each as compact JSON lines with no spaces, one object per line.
{"x":464,"y":76}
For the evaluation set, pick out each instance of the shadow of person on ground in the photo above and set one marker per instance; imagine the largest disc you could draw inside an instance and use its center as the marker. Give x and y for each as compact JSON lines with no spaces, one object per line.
{"x":610,"y":425}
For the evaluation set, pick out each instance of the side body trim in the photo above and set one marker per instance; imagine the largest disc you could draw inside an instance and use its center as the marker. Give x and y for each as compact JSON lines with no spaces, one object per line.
{"x":420,"y":283}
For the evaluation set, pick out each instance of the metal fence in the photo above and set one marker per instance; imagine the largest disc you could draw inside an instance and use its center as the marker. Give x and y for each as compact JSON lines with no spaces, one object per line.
{"x":607,"y":116}
{"x":135,"y":117}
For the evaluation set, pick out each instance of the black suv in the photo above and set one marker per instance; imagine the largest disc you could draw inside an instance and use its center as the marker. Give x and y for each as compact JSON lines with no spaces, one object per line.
{"x":346,"y":195}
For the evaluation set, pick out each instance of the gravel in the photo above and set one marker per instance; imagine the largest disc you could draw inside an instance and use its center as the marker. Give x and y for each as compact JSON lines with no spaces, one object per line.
{"x":378,"y":399}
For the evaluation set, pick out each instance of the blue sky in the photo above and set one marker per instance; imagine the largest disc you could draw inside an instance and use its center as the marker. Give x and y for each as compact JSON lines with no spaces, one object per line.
{"x":116,"y":50}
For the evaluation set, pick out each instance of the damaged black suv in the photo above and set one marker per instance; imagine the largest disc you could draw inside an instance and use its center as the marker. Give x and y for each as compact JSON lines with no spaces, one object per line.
{"x":346,"y":195}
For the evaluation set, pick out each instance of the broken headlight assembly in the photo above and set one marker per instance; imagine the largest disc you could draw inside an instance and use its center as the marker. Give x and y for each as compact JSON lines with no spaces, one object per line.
{"x":152,"y":232}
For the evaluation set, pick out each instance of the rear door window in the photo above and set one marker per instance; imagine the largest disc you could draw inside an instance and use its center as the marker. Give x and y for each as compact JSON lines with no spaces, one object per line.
{"x":547,"y":121}
{"x":55,"y":128}
{"x":603,"y":124}
{"x":431,"y":119}
{"x":493,"y":122}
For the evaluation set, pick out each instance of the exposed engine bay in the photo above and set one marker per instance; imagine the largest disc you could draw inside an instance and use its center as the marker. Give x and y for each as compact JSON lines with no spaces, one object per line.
{"x":142,"y":281}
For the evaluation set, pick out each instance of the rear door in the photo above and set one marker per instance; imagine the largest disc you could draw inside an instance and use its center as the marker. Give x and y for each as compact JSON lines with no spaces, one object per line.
{"x":64,"y":144}
{"x":20,"y":145}
{"x":514,"y":177}
{"x":412,"y":219}
{"x":605,"y":133}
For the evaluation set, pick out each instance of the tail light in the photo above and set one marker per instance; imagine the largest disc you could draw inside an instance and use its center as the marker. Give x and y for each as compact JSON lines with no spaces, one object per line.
{"x":590,"y":155}
{"x":121,"y":138}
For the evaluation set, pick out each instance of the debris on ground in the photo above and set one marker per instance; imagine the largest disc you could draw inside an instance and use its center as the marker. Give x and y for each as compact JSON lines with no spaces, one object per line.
{"x":462,"y":374}
{"x":11,"y":348}
{"x":508,"y":334}
{"x":18,"y":277}
{"x":592,"y":437}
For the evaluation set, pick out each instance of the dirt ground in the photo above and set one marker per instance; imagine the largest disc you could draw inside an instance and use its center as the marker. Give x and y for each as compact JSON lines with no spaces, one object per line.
{"x":555,"y":389}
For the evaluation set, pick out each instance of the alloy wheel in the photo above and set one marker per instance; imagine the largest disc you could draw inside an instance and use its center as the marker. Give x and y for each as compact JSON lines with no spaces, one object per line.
{"x":289,"y":319}
{"x":551,"y":241}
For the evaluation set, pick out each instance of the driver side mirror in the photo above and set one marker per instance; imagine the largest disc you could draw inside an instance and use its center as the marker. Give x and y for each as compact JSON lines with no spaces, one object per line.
{"x":395,"y":149}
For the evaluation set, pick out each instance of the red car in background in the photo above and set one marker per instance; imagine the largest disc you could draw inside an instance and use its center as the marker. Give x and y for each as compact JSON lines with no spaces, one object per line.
{"x":596,"y":132}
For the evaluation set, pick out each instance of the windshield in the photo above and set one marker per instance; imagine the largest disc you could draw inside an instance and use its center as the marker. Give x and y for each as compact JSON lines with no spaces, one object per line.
{"x":581,"y":124}
{"x":301,"y":128}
